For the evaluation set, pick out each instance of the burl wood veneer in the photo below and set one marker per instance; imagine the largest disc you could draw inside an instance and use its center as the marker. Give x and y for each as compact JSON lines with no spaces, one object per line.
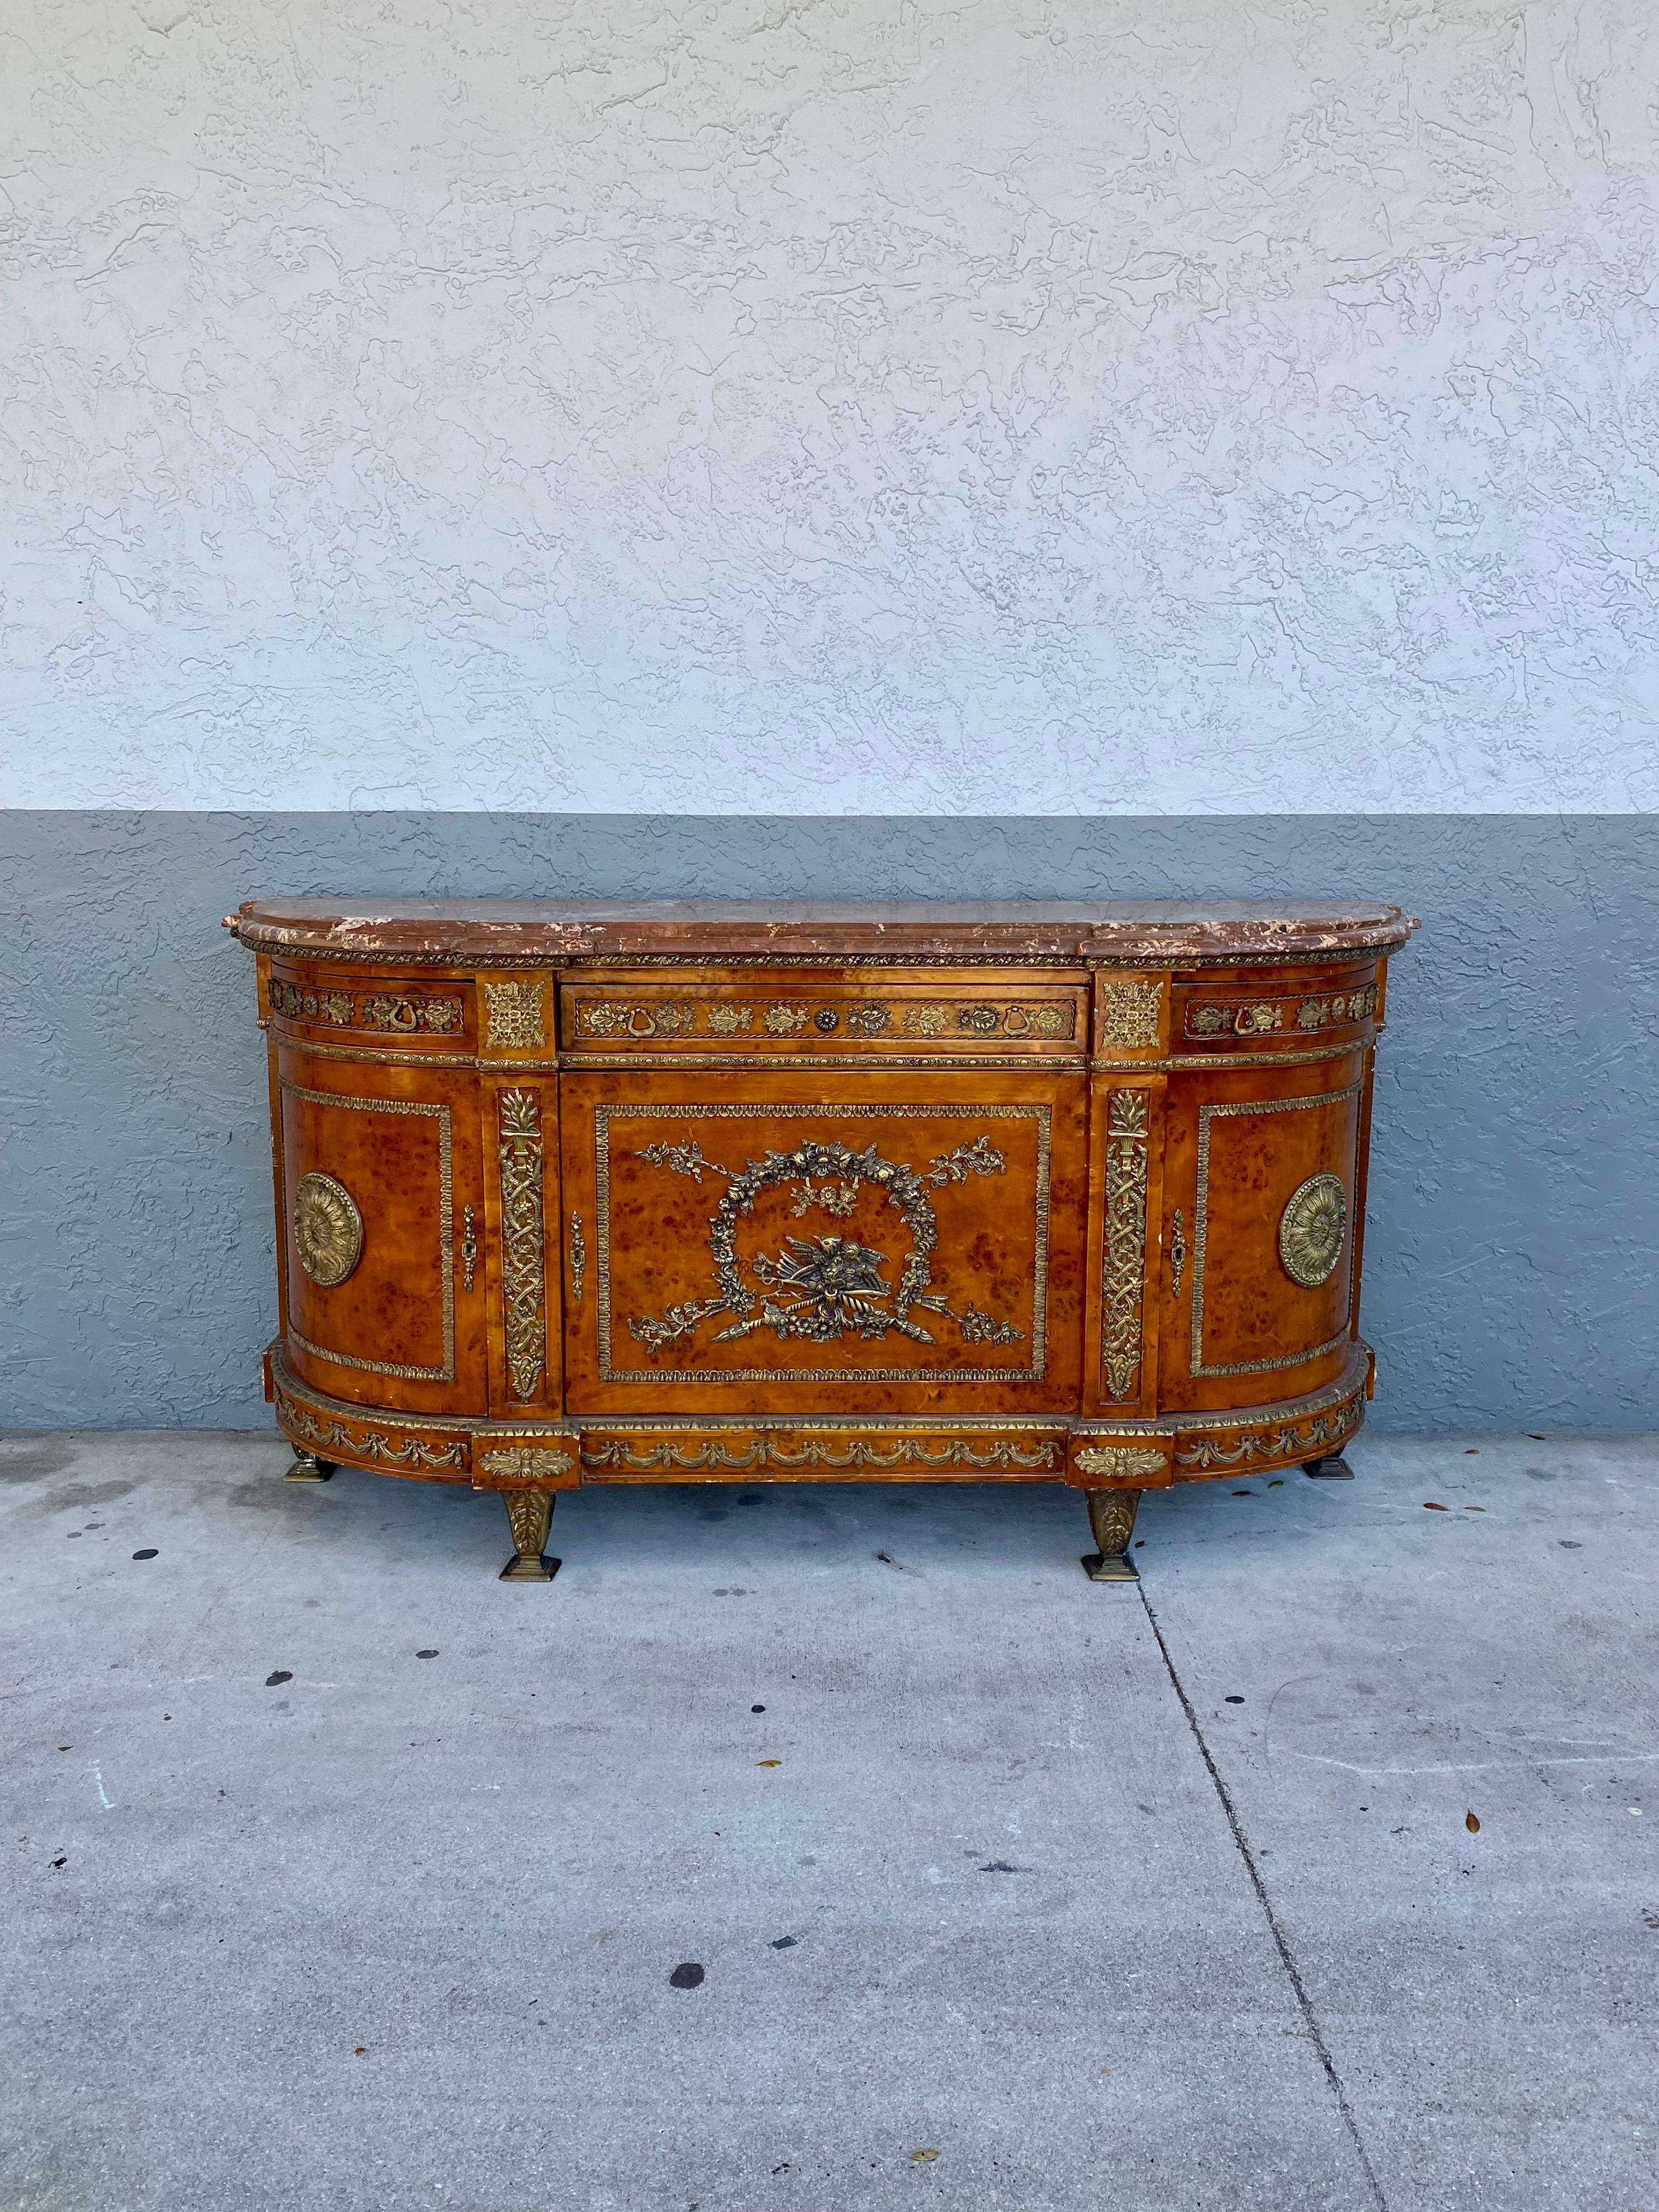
{"x":688,"y":1193}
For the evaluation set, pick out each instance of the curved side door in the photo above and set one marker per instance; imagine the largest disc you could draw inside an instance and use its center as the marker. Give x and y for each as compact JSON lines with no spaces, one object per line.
{"x":381,"y":1209}
{"x":1263,"y":1200}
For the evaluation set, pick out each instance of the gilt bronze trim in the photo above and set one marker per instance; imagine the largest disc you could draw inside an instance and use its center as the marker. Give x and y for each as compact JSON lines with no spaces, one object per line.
{"x":1123,"y":1273}
{"x":518,"y":1156}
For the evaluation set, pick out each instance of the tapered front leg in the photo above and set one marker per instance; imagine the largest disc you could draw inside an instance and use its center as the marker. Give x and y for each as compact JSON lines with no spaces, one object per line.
{"x":1112,"y":1517}
{"x":308,"y":1467}
{"x":530,"y":1516}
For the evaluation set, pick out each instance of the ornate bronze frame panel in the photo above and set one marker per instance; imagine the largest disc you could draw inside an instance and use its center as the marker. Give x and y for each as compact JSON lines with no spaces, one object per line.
{"x":515,"y":1016}
{"x":1042,"y":1114}
{"x":1130,"y":1015}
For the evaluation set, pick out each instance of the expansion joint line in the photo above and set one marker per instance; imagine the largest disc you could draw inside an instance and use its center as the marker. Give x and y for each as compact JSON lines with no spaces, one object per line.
{"x":1315,"y":2034}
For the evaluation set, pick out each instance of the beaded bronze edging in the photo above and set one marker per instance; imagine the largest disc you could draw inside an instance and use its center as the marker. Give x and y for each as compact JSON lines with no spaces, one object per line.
{"x":446,"y":1232}
{"x":481,"y":1428}
{"x":883,"y":1424}
{"x":492,"y":1429}
{"x":1350,"y":1383}
{"x":1141,"y":959}
{"x":430,"y":1060}
{"x":1283,"y":1430}
{"x":965,"y":1061}
{"x":1219,"y":1063}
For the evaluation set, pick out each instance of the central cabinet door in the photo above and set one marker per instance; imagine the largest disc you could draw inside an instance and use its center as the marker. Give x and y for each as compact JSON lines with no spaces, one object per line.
{"x":742,"y":1244}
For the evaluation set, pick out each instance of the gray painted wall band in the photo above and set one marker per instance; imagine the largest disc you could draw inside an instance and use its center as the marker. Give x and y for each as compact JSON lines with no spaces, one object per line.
{"x":1514,"y":1188}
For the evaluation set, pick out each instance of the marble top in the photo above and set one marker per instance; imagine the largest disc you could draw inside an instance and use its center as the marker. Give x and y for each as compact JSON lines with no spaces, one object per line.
{"x":1156,"y":933}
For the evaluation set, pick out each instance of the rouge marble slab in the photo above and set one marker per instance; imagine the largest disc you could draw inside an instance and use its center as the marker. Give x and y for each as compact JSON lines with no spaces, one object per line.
{"x":554,"y":932}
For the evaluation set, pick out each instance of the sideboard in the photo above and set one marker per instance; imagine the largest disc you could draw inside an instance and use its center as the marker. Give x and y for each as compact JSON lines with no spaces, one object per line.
{"x":691,"y":1192}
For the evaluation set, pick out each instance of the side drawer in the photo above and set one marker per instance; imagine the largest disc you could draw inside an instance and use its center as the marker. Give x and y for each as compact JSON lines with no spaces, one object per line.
{"x":1284,"y":1011}
{"x":323,"y":1004}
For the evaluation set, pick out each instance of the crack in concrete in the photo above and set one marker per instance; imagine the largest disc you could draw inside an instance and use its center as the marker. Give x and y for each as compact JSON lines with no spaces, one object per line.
{"x":1280,"y":1942}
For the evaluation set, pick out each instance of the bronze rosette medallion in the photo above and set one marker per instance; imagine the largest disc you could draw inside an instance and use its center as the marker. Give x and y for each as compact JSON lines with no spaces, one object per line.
{"x":328,"y":1230}
{"x":1311,"y":1231}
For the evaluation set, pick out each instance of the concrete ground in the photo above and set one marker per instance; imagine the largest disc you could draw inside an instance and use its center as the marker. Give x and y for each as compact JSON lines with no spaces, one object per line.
{"x":343,"y":1875}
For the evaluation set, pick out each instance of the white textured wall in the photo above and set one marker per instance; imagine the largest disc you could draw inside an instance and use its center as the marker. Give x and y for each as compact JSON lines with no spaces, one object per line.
{"x":851,"y":407}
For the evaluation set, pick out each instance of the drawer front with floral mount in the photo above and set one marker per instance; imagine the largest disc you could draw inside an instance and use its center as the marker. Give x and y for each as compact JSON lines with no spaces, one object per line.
{"x":834,"y":1018}
{"x":1271,"y":1015}
{"x":339,"y":1007}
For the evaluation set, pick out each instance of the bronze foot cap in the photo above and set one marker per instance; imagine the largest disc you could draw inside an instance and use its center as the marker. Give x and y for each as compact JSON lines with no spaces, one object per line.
{"x":1111,"y":1569}
{"x":528,"y":1568}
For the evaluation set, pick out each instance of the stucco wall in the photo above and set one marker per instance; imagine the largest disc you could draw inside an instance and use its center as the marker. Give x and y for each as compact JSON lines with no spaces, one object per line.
{"x":1057,"y":406}
{"x":1514,"y":1192}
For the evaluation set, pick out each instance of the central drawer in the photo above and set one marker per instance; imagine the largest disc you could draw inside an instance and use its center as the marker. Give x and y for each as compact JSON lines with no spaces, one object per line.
{"x":871,"y":1017}
{"x":893,"y":1242}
